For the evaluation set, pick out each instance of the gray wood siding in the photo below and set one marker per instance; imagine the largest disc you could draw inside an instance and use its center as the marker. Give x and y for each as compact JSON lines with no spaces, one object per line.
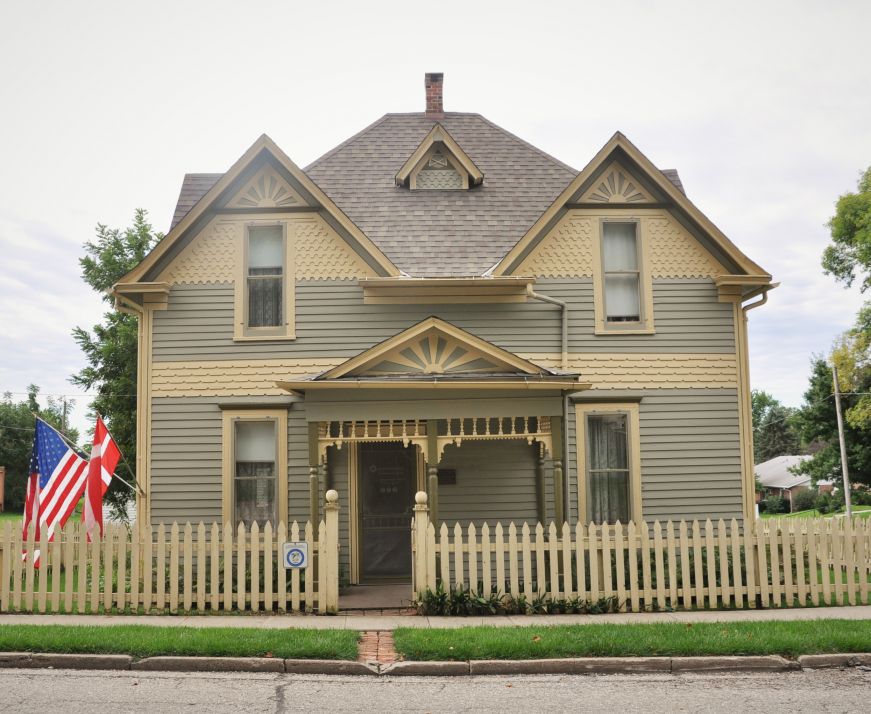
{"x":331,"y":320}
{"x":495,"y":483}
{"x":690,"y":453}
{"x":186,"y":454}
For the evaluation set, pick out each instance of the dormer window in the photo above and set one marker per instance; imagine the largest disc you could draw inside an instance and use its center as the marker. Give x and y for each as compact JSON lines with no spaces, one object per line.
{"x":439,"y":163}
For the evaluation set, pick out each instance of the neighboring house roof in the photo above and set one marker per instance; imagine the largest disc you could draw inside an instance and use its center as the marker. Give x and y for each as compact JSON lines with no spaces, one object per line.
{"x":432,"y":233}
{"x":775,"y":473}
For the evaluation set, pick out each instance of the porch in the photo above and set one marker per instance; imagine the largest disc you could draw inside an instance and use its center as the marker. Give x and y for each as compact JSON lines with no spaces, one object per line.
{"x":472,"y":468}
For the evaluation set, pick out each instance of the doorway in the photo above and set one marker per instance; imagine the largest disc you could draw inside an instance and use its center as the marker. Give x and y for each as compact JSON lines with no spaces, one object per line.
{"x":387,"y":480}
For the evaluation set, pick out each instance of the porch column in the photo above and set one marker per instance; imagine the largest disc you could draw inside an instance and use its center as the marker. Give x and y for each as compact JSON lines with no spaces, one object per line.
{"x":432,"y":470}
{"x":313,"y":475}
{"x":540,"y":497}
{"x":556,"y":427}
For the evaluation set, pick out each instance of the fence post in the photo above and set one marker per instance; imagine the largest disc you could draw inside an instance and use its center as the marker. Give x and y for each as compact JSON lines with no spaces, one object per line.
{"x":330,"y":559}
{"x":419,"y":551}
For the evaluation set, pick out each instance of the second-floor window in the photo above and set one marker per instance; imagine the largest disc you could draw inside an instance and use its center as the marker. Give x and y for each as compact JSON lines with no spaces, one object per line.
{"x":621,"y":272}
{"x":265,"y":276}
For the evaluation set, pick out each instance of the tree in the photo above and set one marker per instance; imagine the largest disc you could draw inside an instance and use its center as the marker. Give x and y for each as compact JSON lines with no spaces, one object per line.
{"x":852,"y":357}
{"x":16,"y":438}
{"x":111,"y":349}
{"x":817,"y":423}
{"x":774,"y":432}
{"x":849,"y":255}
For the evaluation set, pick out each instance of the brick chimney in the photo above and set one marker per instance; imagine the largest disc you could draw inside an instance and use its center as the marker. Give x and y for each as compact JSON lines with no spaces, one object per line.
{"x":433,"y":81}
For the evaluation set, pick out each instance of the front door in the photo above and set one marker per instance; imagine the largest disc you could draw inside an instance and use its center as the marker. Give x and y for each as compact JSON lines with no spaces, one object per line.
{"x":387,"y":481}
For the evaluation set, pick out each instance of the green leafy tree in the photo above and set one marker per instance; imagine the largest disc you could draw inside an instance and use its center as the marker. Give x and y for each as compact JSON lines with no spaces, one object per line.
{"x":16,"y":438}
{"x":849,"y":255}
{"x":111,"y":347}
{"x":852,"y":356}
{"x":817,"y":424}
{"x":774,"y":432}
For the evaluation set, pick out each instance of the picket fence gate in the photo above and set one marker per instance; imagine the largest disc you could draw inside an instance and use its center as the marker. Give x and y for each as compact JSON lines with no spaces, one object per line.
{"x":177,"y":568}
{"x":685,"y":565}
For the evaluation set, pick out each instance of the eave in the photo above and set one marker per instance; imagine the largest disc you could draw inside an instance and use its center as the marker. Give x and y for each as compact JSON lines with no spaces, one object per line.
{"x":435,"y":382}
{"x":420,"y":291}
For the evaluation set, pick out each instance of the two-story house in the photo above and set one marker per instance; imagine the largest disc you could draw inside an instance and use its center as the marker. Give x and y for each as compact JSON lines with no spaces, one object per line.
{"x":437,"y":305}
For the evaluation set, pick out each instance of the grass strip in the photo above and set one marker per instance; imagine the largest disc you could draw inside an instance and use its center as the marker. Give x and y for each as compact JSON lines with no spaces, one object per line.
{"x":151,"y":641}
{"x":667,"y":639}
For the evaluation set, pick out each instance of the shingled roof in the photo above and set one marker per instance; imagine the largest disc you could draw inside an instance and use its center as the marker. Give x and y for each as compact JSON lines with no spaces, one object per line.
{"x":432,"y":233}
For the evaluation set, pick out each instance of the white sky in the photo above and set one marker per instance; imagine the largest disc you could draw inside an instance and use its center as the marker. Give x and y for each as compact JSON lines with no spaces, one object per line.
{"x":764,"y":107}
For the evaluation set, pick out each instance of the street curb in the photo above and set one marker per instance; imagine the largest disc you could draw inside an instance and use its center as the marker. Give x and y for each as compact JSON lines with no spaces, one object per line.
{"x":209,"y":664}
{"x":574,"y":665}
{"x":763,"y":663}
{"x":824,"y":661}
{"x":577,"y":665}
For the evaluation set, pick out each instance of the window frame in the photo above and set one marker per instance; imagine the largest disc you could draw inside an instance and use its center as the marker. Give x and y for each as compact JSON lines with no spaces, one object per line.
{"x":644,"y":325}
{"x":633,"y":444}
{"x":242,"y":331}
{"x":228,"y":498}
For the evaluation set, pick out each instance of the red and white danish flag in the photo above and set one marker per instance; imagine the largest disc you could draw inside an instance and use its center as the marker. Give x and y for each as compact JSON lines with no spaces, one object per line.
{"x":105,"y":456}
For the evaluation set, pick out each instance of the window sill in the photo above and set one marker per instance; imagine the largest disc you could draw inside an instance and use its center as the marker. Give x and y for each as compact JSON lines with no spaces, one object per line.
{"x":263,"y":338}
{"x":633,"y":331}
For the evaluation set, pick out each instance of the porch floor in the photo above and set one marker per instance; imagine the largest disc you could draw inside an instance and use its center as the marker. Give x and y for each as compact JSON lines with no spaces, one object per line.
{"x":387,"y":596}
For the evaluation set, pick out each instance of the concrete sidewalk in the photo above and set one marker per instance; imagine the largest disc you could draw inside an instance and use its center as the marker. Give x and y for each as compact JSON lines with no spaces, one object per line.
{"x":392,"y":622}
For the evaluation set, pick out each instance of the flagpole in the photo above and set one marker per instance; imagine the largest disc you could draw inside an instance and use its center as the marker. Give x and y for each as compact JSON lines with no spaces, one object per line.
{"x":76,"y":448}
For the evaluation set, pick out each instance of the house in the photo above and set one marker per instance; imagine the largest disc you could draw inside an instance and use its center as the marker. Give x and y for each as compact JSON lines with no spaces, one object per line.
{"x":437,"y":305}
{"x":778,"y":479}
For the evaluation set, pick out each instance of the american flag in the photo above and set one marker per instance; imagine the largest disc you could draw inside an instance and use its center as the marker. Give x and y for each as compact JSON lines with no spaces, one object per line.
{"x":57,"y":480}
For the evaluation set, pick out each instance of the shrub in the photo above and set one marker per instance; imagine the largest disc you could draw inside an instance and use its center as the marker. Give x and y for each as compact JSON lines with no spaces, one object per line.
{"x":804,"y":500}
{"x":462,"y":601}
{"x":824,"y":503}
{"x":776,"y":504}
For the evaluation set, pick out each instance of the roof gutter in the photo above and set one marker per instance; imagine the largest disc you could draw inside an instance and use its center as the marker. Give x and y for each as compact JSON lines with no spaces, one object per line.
{"x":565,"y":320}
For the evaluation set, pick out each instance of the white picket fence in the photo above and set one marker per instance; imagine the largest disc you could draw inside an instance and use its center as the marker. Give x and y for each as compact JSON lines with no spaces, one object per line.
{"x":177,"y":568}
{"x":684,"y":565}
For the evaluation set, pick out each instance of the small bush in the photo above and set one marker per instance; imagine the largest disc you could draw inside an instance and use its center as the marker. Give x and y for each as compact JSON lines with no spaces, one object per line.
{"x":824,"y":503}
{"x":776,"y":504}
{"x":804,"y":500}
{"x":462,"y":601}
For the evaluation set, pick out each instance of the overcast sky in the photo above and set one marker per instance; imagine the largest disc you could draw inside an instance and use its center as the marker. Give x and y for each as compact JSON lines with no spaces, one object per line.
{"x":764,"y":107}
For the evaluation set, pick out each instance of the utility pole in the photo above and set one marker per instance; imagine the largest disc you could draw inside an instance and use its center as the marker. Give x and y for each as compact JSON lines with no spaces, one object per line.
{"x":848,"y":506}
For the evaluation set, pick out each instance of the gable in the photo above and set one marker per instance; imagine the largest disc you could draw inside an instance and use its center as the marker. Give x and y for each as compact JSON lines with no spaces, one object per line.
{"x":439,"y":162}
{"x":568,"y":250}
{"x":263,"y":175}
{"x":266,"y":189}
{"x":215,"y":253}
{"x":586,"y":189}
{"x":616,"y":185}
{"x":434,"y":347}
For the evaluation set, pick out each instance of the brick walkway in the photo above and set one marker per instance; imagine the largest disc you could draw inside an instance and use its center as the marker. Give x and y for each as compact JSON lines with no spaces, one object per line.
{"x":376,"y":647}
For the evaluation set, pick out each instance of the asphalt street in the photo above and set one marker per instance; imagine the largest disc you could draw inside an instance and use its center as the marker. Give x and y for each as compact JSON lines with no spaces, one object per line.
{"x":76,"y":691}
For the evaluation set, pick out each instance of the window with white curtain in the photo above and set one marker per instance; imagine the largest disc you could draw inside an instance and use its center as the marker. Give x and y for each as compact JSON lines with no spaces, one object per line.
{"x":621,"y":272}
{"x":255,"y":475}
{"x":265,"y":276}
{"x":608,"y":468}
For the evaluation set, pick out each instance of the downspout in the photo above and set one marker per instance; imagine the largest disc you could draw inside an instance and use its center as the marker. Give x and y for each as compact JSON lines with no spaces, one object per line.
{"x":565,"y":321}
{"x":564,"y":308}
{"x":744,"y":366}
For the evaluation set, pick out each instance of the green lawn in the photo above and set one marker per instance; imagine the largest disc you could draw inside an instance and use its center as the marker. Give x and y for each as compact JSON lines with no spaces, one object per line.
{"x":10,"y":516}
{"x":149,"y":641}
{"x":858,"y":511}
{"x":667,"y":639}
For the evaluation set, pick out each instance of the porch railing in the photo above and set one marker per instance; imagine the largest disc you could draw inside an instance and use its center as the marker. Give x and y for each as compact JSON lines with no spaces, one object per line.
{"x":176,"y":568}
{"x":683,"y":565}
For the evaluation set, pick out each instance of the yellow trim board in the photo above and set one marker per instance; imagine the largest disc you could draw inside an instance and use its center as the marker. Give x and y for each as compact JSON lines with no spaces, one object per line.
{"x":263,"y":145}
{"x":436,"y":383}
{"x":656,"y":177}
{"x":438,"y":134}
{"x":582,"y":411}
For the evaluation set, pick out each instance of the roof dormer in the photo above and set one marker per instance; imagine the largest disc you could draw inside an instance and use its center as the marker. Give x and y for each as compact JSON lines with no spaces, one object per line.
{"x":439,"y":162}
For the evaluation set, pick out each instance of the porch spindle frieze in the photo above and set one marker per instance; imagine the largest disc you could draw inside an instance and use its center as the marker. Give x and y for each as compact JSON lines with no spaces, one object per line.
{"x":454,"y":431}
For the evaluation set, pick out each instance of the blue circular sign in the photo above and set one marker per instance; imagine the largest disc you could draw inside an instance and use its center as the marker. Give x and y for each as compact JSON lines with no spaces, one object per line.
{"x":295,"y":557}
